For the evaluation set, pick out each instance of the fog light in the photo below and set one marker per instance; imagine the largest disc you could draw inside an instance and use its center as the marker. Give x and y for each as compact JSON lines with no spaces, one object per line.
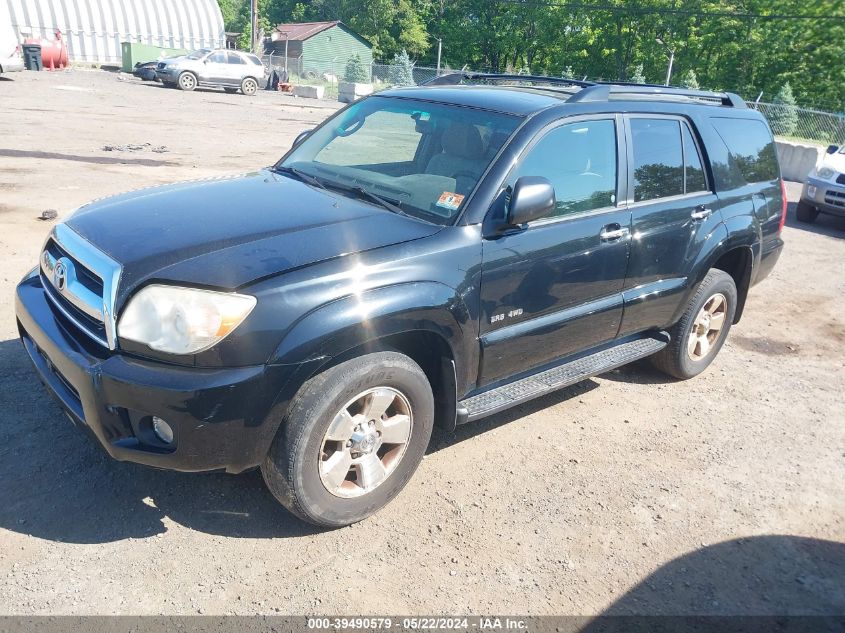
{"x":811,"y":191}
{"x":162,"y":430}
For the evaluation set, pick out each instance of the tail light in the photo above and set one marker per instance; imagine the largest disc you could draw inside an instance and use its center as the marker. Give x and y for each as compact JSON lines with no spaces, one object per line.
{"x":783,"y":210}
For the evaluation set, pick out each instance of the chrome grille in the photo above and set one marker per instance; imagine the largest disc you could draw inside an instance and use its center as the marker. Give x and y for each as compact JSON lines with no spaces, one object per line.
{"x":81,"y":283}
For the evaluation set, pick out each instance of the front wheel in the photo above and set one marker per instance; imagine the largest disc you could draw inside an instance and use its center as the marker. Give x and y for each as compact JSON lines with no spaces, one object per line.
{"x":249,"y":86}
{"x":352,"y":438}
{"x":187,"y":81}
{"x":703,"y":328}
{"x":806,"y":212}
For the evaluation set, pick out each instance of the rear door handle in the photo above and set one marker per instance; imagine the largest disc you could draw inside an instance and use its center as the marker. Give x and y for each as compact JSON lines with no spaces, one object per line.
{"x":613,"y":232}
{"x":701,"y":212}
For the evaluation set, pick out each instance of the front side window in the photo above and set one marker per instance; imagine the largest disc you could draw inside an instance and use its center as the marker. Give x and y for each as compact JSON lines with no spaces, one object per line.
{"x":579,"y":159}
{"x":424,"y":158}
{"x":218,"y":58}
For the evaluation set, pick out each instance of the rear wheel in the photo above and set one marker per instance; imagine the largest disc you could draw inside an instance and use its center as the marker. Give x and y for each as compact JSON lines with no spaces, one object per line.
{"x":806,"y":212}
{"x":187,"y":81}
{"x":353,"y":437}
{"x":703,"y":328}
{"x":249,"y":86}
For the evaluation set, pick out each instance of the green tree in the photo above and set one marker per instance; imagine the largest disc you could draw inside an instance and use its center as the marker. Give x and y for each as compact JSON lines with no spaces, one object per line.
{"x":355,"y":71}
{"x":784,"y":116}
{"x":401,"y":71}
{"x":690,"y":80}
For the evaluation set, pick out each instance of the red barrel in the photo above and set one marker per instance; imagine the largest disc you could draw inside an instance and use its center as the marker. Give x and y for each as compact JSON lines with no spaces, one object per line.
{"x":53,"y":52}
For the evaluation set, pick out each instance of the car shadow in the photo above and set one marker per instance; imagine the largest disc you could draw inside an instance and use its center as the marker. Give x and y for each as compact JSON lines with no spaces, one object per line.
{"x":58,"y":484}
{"x":754,"y":577}
{"x":825,"y":224}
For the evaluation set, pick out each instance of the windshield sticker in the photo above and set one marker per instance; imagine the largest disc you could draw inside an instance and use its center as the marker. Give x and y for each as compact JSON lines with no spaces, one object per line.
{"x":449,"y":200}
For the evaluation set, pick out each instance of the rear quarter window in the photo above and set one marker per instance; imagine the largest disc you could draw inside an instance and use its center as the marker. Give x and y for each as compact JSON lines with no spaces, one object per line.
{"x":752,"y":156}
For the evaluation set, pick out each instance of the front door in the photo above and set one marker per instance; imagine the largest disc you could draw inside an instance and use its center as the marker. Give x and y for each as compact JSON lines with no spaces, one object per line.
{"x":216,"y":68}
{"x":554,"y":287}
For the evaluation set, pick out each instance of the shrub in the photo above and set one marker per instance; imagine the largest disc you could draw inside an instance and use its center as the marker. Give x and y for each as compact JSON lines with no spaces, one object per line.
{"x":784,"y":117}
{"x":355,"y":71}
{"x":401,"y":70}
{"x":690,"y":80}
{"x":637,"y":76}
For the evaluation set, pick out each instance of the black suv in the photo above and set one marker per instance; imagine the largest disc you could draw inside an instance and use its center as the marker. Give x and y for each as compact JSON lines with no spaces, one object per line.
{"x":428,"y":255}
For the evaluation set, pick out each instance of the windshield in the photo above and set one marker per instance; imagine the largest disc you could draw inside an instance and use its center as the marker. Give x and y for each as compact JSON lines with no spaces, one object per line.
{"x":198,"y":54}
{"x":423,"y":158}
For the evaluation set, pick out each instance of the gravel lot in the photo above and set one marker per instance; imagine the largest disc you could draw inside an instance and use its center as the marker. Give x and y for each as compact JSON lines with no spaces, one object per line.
{"x":626,"y":493}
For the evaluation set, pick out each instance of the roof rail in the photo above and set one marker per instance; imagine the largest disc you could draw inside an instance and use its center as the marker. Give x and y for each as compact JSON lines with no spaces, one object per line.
{"x":454,"y":79}
{"x":592,"y":91}
{"x":603,"y":92}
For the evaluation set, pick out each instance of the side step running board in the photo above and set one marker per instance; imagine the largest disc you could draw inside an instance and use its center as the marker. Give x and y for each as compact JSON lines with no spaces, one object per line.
{"x":558,"y":377}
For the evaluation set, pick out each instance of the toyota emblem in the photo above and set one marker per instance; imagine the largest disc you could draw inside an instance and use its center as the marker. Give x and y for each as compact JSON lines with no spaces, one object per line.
{"x":60,"y":276}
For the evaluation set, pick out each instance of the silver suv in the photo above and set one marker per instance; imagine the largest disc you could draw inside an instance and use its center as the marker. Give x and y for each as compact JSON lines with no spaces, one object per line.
{"x":230,"y":70}
{"x":824,"y":191}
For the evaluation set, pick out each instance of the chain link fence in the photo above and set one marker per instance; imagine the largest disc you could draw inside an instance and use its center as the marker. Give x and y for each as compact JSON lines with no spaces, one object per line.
{"x":802,"y":124}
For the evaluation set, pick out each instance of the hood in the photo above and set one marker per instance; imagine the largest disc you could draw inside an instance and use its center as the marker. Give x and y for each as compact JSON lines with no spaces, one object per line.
{"x":835,"y":161}
{"x":228,"y":232}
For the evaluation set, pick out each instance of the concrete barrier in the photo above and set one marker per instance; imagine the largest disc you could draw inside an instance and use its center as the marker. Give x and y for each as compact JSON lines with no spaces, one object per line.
{"x":797,"y":159}
{"x":309,"y":92}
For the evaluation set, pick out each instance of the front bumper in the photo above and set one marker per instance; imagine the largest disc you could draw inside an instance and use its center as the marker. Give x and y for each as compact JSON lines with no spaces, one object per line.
{"x":829,"y":197}
{"x":223,"y":419}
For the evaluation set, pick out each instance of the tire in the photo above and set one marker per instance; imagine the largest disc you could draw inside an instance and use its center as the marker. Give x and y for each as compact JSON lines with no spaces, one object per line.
{"x":806,"y":212}
{"x":299,"y":470}
{"x":249,"y":86}
{"x":685,"y":356}
{"x":187,"y":81}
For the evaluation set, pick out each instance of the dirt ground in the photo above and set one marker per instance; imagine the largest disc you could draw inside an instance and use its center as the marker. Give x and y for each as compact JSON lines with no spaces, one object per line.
{"x":627,"y":493}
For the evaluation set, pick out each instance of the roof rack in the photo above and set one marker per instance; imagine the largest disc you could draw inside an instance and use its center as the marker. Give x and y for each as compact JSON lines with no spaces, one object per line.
{"x":454,"y":79}
{"x":596,"y":91}
{"x":603,"y":91}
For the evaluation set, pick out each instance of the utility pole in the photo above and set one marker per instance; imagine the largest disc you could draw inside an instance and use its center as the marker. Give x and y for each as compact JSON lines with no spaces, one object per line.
{"x":253,"y":22}
{"x":439,"y":53}
{"x":671,"y":55}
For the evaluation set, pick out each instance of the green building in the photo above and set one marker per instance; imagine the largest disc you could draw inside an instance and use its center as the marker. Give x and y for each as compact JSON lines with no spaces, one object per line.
{"x":317,"y":48}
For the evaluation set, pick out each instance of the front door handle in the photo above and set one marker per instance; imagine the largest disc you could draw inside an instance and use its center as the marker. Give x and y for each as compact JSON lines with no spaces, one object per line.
{"x":613,"y":232}
{"x":701,"y":212}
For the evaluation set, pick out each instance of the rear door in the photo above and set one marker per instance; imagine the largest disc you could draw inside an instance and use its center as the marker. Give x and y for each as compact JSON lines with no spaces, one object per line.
{"x":553,"y":287}
{"x":238,"y":69}
{"x":673,"y":210}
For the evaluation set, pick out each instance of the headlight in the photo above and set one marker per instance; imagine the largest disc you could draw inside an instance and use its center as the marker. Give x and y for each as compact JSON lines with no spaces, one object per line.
{"x":182,"y":320}
{"x":826,"y":173}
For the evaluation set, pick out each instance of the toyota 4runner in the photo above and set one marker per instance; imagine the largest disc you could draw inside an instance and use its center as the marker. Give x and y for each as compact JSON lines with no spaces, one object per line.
{"x":428,"y":255}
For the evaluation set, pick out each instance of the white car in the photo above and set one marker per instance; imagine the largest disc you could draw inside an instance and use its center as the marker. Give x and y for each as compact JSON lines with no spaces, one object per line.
{"x":824,"y":191}
{"x":230,"y":70}
{"x":11,"y":60}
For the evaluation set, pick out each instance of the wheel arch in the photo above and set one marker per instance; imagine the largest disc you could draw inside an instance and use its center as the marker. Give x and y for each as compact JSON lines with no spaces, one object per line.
{"x":426,"y":321}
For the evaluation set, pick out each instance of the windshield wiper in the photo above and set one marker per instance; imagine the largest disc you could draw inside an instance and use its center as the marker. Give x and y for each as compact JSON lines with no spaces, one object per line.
{"x":390,"y":205}
{"x":301,"y":175}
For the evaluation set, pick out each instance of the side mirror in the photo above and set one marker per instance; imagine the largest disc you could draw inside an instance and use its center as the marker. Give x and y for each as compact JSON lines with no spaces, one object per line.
{"x":832,"y":149}
{"x":300,"y":137}
{"x":533,"y":197}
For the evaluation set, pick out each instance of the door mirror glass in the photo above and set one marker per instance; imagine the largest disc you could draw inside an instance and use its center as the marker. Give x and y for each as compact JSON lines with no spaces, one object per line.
{"x":300,"y":137}
{"x":533,"y":197}
{"x":832,"y":149}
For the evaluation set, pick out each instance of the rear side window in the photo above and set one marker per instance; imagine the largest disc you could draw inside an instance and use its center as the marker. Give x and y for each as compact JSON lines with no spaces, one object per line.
{"x":666,"y":159}
{"x":658,"y":158}
{"x":752,"y":154}
{"x":234,"y":58}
